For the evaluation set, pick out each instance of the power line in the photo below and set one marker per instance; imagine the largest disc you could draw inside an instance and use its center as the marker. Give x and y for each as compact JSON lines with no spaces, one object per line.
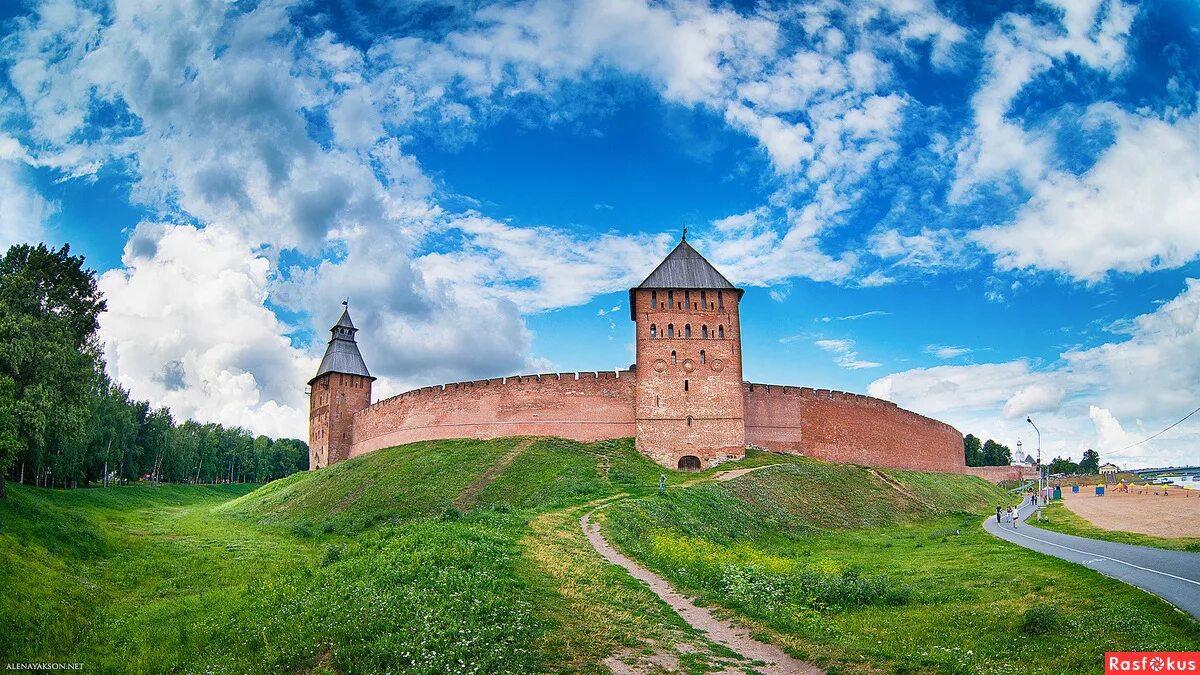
{"x":1159,"y":433}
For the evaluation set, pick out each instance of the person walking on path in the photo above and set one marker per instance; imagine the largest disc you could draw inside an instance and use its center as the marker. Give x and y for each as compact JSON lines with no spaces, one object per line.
{"x":997,"y":514}
{"x":1016,"y":515}
{"x":662,"y":483}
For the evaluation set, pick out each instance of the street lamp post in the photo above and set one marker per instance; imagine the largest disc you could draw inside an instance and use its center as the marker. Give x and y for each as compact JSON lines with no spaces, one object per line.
{"x":1039,"y":464}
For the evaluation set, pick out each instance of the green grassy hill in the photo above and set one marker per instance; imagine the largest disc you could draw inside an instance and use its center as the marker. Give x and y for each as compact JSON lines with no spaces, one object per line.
{"x":466,"y":556}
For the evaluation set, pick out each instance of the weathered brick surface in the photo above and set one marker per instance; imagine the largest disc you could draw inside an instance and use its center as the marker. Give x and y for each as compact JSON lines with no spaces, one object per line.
{"x":331,"y":405}
{"x":584,"y":406}
{"x":850,"y":428}
{"x":689,"y":382}
{"x":996,"y":474}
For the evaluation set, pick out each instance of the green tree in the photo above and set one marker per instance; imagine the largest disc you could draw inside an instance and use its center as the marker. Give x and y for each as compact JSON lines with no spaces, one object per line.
{"x":49,"y":309}
{"x":112,"y":430}
{"x":154,"y":441}
{"x":1090,"y":462}
{"x":971,"y":450}
{"x":1060,"y":465}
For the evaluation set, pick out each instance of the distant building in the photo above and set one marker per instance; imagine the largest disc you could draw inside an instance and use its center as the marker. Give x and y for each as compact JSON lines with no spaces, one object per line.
{"x":684,"y":399}
{"x":1109,"y":469}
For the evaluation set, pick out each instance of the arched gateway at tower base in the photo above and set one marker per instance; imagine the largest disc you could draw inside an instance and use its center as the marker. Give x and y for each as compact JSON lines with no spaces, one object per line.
{"x":684,"y":401}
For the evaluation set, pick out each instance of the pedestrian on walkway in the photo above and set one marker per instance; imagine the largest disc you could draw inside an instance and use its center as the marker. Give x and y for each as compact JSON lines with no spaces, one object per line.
{"x":1016,"y":516}
{"x":997,"y":514}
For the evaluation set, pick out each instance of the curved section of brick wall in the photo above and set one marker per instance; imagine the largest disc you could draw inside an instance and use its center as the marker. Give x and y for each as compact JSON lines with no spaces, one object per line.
{"x":850,"y":428}
{"x":579,"y":406}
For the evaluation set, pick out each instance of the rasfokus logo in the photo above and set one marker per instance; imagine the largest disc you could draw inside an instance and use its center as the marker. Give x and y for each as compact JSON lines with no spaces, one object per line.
{"x":1151,"y":662}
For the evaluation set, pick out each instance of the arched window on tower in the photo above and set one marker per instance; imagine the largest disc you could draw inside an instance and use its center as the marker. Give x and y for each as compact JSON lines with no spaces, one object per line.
{"x":703,"y":300}
{"x":670,"y":330}
{"x":671,"y":299}
{"x":653,"y":330}
{"x":687,"y":299}
{"x":687,"y":330}
{"x":653,"y":299}
{"x":673,"y":358}
{"x":720,"y":300}
{"x":704,"y":331}
{"x":721,"y":332}
{"x":685,"y":385}
{"x":703,"y":359}
{"x":689,"y":420}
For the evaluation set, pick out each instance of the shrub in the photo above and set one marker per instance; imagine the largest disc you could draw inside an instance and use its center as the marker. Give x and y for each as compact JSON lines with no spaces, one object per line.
{"x":333,"y":553}
{"x":451,"y":514}
{"x":1040,"y":619}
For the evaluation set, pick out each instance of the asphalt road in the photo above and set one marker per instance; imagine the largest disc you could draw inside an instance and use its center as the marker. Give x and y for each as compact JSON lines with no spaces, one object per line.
{"x":1173,"y":576}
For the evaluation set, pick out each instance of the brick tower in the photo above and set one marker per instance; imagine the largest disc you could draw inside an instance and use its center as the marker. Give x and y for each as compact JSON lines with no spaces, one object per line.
{"x":689,"y":402}
{"x":341,"y":387}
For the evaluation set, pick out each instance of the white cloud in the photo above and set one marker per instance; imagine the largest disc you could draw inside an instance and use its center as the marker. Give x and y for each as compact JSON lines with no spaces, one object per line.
{"x":1152,"y":376}
{"x":23,"y":211}
{"x":187,"y":327}
{"x":845,"y":355}
{"x":926,"y":250}
{"x":947,"y":351}
{"x":1034,"y":398}
{"x":1133,"y":211}
{"x":854,"y":317}
{"x":1018,"y":50}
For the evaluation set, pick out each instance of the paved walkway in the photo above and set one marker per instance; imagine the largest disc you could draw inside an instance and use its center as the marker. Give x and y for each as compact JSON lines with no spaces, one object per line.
{"x":1172,"y":575}
{"x":734,"y":636}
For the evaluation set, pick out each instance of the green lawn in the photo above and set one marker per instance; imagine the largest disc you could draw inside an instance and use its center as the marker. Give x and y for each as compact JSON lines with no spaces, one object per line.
{"x":366,"y":567}
{"x":1062,"y":519}
{"x":899,"y":583}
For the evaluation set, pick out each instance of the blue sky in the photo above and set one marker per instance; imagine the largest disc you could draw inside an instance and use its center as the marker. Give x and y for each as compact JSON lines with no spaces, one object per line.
{"x":981,"y":211}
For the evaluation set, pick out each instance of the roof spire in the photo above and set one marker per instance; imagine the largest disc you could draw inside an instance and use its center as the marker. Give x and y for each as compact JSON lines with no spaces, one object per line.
{"x":684,"y":237}
{"x":342,"y":355}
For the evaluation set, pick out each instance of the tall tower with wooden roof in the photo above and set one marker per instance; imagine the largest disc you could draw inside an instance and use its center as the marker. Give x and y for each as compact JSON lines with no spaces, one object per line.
{"x":341,"y":387}
{"x":689,"y":403}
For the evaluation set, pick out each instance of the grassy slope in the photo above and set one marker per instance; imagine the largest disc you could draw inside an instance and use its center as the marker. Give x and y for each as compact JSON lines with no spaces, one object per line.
{"x":1062,"y":519}
{"x":846,"y":570}
{"x":364,"y":566}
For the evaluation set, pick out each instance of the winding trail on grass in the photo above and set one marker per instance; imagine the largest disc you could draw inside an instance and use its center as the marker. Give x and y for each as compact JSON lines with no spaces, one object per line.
{"x":731,"y":635}
{"x":1173,"y":576}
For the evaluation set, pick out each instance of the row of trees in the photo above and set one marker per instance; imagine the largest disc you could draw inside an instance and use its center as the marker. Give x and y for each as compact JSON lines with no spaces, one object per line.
{"x":989,"y":453}
{"x":63,"y":422}
{"x":1090,"y":464}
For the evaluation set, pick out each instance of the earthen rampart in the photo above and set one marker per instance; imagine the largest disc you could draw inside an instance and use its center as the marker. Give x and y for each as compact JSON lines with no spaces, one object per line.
{"x":586,"y":406}
{"x":842,"y":427}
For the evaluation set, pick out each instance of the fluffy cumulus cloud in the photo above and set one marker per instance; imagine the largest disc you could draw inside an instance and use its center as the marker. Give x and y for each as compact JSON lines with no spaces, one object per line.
{"x":187,"y":327}
{"x":1133,"y":211}
{"x":1150,"y":380}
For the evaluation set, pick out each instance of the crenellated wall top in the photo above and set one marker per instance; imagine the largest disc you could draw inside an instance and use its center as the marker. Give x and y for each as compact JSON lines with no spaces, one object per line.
{"x":512,"y":381}
{"x":807,"y":393}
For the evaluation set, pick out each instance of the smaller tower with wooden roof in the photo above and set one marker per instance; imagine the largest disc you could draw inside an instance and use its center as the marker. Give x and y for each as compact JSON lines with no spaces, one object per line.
{"x":341,"y":387}
{"x":689,"y":404}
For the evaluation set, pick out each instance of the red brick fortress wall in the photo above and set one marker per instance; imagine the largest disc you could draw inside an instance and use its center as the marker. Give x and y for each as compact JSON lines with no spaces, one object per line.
{"x":579,"y":406}
{"x":995,"y":474}
{"x":849,"y":428}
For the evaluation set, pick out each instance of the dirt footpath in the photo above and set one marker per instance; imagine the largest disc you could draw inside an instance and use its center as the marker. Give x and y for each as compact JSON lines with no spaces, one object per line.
{"x":1175,"y":515}
{"x":774,"y":660}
